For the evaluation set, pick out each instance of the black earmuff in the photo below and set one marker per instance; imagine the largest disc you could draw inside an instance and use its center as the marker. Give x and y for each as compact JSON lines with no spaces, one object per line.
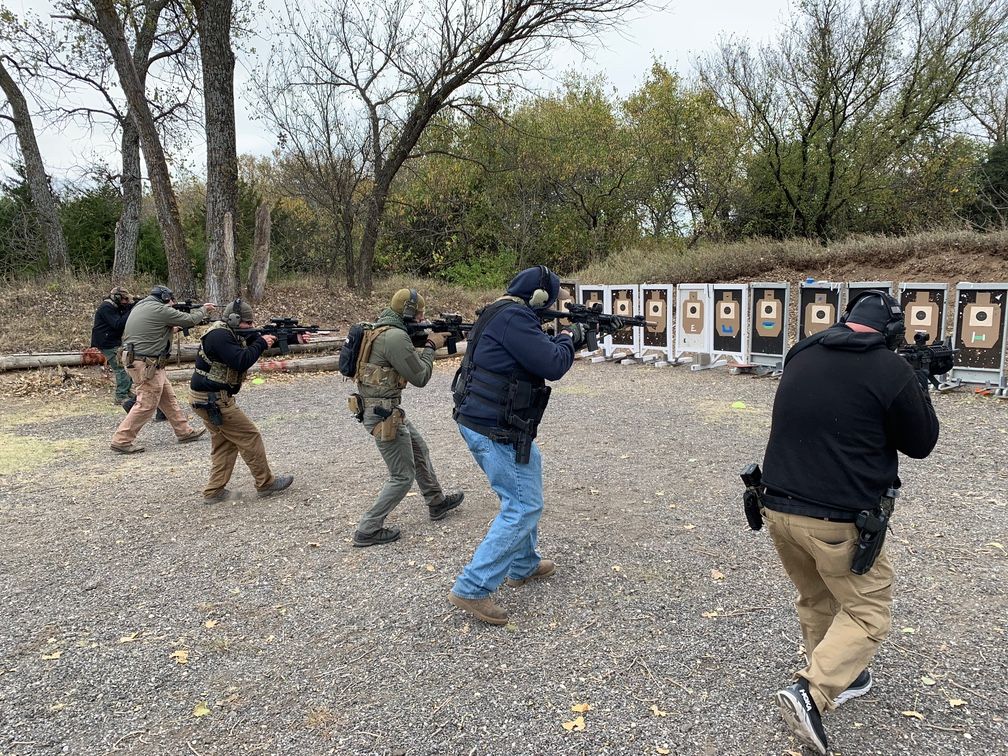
{"x":163,"y":293}
{"x":894,"y":331}
{"x":234,"y":317}
{"x":409,"y":310}
{"x":541,"y":295}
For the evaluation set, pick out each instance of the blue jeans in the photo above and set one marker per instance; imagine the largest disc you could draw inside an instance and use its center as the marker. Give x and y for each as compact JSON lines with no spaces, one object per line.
{"x":509,"y":548}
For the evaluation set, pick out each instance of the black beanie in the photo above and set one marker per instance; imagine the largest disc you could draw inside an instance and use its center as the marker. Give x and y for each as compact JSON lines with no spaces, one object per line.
{"x":874,"y":311}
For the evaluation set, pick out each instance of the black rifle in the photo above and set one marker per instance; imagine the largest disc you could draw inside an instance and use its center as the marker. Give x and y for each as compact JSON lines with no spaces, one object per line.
{"x":283,"y":328}
{"x":871,"y":527}
{"x":450,"y":323}
{"x":752,"y":498}
{"x":596,"y":322}
{"x":186,"y":307}
{"x":934,"y":359}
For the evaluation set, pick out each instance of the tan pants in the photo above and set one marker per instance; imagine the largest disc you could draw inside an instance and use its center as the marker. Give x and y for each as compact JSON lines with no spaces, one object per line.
{"x":152,"y":393}
{"x":236,"y":435}
{"x":844,"y":617}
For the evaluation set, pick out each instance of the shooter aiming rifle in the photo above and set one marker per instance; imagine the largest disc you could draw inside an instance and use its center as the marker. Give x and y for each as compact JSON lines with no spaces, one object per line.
{"x":934,"y":359}
{"x":449,"y":323}
{"x":596,"y":322}
{"x":187,"y":306}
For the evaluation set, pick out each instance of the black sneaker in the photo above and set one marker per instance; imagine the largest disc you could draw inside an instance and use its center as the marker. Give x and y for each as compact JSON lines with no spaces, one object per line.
{"x":440,"y":511}
{"x":128,"y":404}
{"x":385,"y":535}
{"x":861,"y":685}
{"x":160,"y":417}
{"x":802,"y":716}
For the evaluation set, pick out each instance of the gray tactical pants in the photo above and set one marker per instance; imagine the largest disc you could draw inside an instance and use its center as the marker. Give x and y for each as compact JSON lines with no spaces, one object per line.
{"x":407,"y":458}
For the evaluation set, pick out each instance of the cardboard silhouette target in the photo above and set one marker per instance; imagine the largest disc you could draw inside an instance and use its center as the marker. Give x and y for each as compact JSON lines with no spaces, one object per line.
{"x":624,"y":300}
{"x":981,"y":310}
{"x":568,"y":293}
{"x":658,"y":337}
{"x":694,"y":324}
{"x":924,"y":309}
{"x":818,"y":307}
{"x":770,"y":318}
{"x":731,"y":320}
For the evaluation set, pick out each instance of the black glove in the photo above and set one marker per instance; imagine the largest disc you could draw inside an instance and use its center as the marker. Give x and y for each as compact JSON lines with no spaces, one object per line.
{"x":577,"y":334}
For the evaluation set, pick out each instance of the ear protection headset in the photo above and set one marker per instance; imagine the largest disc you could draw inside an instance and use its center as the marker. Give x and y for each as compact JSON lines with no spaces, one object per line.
{"x":895,"y":329}
{"x":234,"y":317}
{"x":409,"y":309}
{"x":117,"y":295}
{"x":163,"y":293}
{"x":541,"y":295}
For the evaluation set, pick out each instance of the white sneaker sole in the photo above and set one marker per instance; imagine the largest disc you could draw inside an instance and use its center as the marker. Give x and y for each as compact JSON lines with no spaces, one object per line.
{"x":796,"y":718}
{"x":851,"y":693}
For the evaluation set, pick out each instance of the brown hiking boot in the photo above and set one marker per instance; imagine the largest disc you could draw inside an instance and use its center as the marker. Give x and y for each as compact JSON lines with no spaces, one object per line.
{"x":482,"y":609}
{"x":130,"y":449}
{"x":546,"y":568}
{"x":192,"y":436}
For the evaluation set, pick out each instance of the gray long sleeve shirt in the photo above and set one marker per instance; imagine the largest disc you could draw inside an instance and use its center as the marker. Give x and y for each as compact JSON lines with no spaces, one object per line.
{"x":149,"y":326}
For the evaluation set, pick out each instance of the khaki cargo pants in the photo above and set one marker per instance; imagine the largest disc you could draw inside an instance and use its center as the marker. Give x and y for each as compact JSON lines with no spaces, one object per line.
{"x":844,"y":617}
{"x":153,"y":392}
{"x":235,"y":435}
{"x":407,"y":458}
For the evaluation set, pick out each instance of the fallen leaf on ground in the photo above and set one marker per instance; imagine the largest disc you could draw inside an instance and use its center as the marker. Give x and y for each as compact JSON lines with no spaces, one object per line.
{"x":927,"y":680}
{"x":201,"y":709}
{"x":658,"y":712}
{"x":54,"y":655}
{"x":688,"y":527}
{"x":738,"y":405}
{"x":709,"y":615}
{"x":58,"y":706}
{"x":257,"y":381}
{"x":429,"y":567}
{"x":955,"y":702}
{"x":210,"y":623}
{"x":662,"y":751}
{"x":717,"y":574}
{"x":914,"y":714}
{"x":575,"y":725}
{"x":909,"y":630}
{"x":128,"y":638}
{"x":181,"y":656}
{"x":581,"y":708}
{"x":616,"y":568}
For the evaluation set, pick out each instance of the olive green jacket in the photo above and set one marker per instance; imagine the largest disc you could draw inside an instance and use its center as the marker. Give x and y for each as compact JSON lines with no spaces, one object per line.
{"x":393,"y":349}
{"x":149,"y":326}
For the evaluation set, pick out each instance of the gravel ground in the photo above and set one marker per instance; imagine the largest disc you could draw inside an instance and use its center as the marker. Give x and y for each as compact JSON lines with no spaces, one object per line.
{"x":135,"y":619}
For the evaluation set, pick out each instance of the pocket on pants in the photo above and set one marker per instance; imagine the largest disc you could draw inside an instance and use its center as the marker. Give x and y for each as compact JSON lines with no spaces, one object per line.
{"x":833,"y":559}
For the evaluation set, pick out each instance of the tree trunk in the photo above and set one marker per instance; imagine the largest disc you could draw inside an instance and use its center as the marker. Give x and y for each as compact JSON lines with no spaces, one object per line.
{"x":41,"y":194}
{"x":259,"y":269}
{"x":228,"y":274}
{"x":180,"y":273}
{"x":127,"y":232}
{"x":369,"y":240}
{"x":214,"y":22}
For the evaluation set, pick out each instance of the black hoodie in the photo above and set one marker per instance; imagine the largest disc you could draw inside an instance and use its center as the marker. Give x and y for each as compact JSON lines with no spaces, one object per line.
{"x":845,"y":406}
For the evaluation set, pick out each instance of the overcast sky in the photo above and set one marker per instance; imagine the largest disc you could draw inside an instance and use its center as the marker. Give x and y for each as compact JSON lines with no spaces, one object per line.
{"x":675,"y":35}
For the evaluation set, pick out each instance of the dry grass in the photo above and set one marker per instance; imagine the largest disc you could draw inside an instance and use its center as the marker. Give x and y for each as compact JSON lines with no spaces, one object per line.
{"x":944,"y":255}
{"x":55,"y":314}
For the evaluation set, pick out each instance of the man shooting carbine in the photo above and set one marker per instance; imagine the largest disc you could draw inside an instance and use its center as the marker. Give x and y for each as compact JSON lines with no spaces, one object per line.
{"x":595,"y":322}
{"x":845,"y":406}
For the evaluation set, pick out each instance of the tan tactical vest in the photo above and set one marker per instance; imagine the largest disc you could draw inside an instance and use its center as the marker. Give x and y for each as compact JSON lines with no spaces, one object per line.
{"x":219,"y":372}
{"x":370,"y":375}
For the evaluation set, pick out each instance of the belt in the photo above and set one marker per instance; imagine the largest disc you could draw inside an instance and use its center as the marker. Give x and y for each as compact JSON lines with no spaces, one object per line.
{"x":219,"y":397}
{"x":388,"y":403}
{"x":499,"y":435}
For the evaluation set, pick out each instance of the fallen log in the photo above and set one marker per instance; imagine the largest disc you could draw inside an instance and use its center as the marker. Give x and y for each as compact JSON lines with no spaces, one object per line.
{"x":93,"y":356}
